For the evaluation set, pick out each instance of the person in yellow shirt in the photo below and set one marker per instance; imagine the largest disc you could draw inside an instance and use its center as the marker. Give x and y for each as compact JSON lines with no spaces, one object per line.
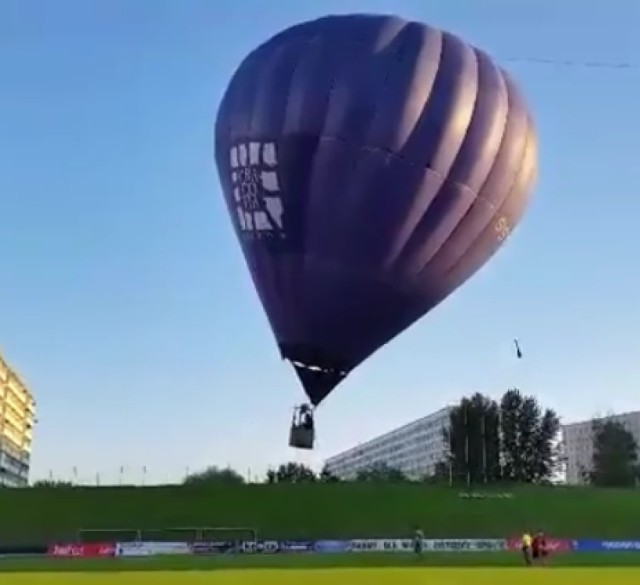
{"x":527,"y":541}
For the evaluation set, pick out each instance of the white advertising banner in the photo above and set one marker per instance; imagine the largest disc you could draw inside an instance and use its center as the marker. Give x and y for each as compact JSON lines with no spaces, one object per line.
{"x":149,"y":549}
{"x":430,"y":545}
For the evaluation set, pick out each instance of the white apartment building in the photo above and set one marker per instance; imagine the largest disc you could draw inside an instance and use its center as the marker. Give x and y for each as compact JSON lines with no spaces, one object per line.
{"x":415,"y":449}
{"x":577,"y":439}
{"x":17,"y":417}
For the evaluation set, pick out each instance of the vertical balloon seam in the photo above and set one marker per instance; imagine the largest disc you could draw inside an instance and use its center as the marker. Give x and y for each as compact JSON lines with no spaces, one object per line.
{"x":394,"y":61}
{"x":321,"y":393}
{"x":243,"y":78}
{"x":479,"y":198}
{"x":507,"y":199}
{"x":447,"y":181}
{"x":292,"y":289}
{"x":411,"y":237}
{"x":427,"y":97}
{"x":318,"y":394}
{"x":400,"y":154}
{"x":354,"y":191}
{"x":507,"y":192}
{"x":315,"y":394}
{"x":274,"y":58}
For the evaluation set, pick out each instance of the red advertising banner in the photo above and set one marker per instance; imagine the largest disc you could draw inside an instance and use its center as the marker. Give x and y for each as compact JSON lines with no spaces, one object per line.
{"x":84,"y":550}
{"x":554,"y":545}
{"x":559,"y":545}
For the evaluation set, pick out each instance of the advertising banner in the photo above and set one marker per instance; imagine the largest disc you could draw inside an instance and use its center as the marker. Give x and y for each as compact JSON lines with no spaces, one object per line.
{"x":380,"y":545}
{"x":332,"y":546}
{"x":86,"y":550}
{"x":259,"y":547}
{"x":23,"y":550}
{"x":429,"y":545}
{"x":590,"y":545}
{"x":554,"y":545}
{"x":296,"y":546}
{"x":212,"y":548}
{"x":466,"y":545}
{"x":150,"y":549}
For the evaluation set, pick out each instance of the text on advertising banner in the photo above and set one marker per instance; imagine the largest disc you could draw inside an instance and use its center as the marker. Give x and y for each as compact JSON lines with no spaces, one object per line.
{"x":259,"y":547}
{"x":429,"y":545}
{"x":217,"y":547}
{"x":97,"y":549}
{"x":149,"y":549}
{"x":296,"y":546}
{"x":589,"y":545}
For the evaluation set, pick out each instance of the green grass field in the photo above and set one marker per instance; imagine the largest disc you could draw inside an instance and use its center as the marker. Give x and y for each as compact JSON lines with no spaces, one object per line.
{"x":319,"y":511}
{"x":343,"y":577}
{"x":330,"y":569}
{"x":283,"y":562}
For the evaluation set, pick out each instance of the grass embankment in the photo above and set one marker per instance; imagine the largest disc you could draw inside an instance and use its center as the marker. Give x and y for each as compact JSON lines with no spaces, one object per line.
{"x":319,"y":511}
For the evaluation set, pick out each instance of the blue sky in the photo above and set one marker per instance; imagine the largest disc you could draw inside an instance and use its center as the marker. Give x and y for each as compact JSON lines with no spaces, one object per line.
{"x":124,"y":300}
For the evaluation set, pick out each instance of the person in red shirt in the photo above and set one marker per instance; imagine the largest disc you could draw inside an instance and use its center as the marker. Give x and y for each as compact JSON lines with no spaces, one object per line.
{"x":539,"y":549}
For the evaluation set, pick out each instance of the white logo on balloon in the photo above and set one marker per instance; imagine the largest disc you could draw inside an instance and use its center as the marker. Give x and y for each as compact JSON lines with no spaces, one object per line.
{"x":256,"y":190}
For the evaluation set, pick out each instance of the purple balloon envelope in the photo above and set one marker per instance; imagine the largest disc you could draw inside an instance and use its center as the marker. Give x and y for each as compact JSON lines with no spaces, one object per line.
{"x":370,"y":166}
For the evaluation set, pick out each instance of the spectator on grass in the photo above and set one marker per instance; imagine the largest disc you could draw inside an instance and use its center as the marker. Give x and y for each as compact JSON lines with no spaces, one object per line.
{"x":527,"y":543}
{"x":418,"y":537}
{"x":539,"y":548}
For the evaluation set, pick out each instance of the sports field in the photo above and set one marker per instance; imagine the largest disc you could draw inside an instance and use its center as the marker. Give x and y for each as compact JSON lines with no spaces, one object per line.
{"x":316,"y":512}
{"x":332,"y":570}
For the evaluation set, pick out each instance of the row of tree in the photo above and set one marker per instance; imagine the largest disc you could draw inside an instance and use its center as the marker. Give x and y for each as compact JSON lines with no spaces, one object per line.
{"x":486,"y":442}
{"x":512,"y":440}
{"x":297,"y":473}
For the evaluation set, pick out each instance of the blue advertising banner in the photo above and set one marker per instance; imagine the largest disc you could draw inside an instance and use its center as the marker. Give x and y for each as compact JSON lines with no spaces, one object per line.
{"x":289,"y":546}
{"x":590,"y":545}
{"x":332,"y":546}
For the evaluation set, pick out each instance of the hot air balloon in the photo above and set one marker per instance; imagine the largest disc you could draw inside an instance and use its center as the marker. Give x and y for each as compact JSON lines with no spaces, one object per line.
{"x":370,"y":166}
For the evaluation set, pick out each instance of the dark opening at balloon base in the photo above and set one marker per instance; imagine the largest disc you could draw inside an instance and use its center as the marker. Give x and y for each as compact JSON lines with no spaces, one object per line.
{"x":302,"y":434}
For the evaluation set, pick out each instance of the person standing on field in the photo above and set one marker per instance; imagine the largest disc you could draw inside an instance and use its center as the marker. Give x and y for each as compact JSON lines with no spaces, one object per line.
{"x":539,"y":549}
{"x":527,"y":543}
{"x":418,"y":537}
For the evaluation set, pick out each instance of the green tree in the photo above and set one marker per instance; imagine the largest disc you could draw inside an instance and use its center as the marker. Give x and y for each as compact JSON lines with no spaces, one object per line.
{"x":381,"y":473}
{"x":291,"y":473}
{"x":529,"y":439}
{"x":473,"y":438}
{"x":615,"y":455}
{"x":548,"y":454}
{"x":214,"y":475}
{"x":327,"y":477}
{"x":51,"y":483}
